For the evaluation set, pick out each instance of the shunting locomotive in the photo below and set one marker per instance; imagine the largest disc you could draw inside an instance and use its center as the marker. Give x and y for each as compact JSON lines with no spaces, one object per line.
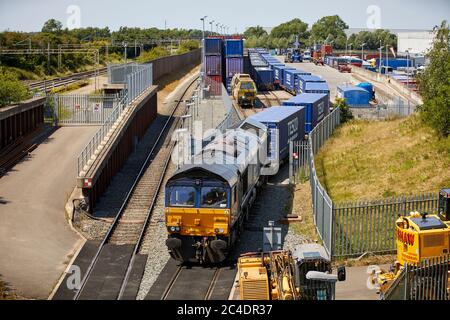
{"x":207,"y":201}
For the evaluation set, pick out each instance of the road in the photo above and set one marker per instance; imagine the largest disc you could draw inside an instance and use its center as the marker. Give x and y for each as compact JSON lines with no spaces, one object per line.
{"x":331,"y":75}
{"x":355,"y":287}
{"x":36,"y":242}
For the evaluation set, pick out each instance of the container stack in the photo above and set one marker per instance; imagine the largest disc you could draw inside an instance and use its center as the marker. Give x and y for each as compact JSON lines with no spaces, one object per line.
{"x":213,"y":65}
{"x":233,"y":60}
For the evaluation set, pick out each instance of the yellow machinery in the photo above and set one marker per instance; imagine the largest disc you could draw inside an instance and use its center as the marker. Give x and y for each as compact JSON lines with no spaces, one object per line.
{"x":418,"y":237}
{"x":243,"y":89}
{"x":268,"y":276}
{"x":304,"y":274}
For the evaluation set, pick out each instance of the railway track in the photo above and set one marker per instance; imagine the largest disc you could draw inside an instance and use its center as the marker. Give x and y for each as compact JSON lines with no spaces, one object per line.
{"x":46,"y":85}
{"x":114,"y":261}
{"x":193,"y":282}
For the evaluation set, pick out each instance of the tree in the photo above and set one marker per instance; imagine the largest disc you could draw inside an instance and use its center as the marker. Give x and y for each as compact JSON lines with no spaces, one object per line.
{"x":52,"y":26}
{"x":434,"y":83}
{"x":257,"y":31}
{"x":291,"y":28}
{"x":11,"y":89}
{"x":330,"y":28}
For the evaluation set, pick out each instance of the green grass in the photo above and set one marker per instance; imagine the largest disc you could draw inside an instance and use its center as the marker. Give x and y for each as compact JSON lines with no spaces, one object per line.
{"x":371,"y":160}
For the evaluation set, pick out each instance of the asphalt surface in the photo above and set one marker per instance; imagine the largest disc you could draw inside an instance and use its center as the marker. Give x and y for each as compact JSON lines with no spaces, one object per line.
{"x":36,"y":243}
{"x":356,"y":286}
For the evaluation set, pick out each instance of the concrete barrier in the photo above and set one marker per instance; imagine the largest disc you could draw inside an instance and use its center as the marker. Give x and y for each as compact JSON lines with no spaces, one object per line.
{"x":19,"y":120}
{"x":390,"y":82}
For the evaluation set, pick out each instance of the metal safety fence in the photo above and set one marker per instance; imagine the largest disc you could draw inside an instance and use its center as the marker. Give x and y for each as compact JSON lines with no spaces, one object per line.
{"x":321,"y":201}
{"x":138,"y":81}
{"x":136,"y":84}
{"x":81,"y":109}
{"x":117,"y":73}
{"x":428,"y":280}
{"x":369,"y":226}
{"x":352,"y":228}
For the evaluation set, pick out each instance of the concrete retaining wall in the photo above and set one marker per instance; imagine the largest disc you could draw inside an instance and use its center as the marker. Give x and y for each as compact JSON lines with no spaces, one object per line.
{"x":19,"y":120}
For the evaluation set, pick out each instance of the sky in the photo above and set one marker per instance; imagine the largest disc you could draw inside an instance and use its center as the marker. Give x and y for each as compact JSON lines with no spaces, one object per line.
{"x":30,"y":15}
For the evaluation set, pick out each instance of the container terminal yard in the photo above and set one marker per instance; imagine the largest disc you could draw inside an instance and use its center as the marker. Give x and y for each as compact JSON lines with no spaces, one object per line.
{"x":280,"y":159}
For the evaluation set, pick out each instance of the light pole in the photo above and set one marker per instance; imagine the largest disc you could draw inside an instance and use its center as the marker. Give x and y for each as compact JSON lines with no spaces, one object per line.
{"x":211,"y":23}
{"x":407,"y":69}
{"x":362,"y":52}
{"x":379,"y":64}
{"x":217,"y":27}
{"x":346,"y":45}
{"x":350,"y":45}
{"x":125,"y":51}
{"x":203,"y":34}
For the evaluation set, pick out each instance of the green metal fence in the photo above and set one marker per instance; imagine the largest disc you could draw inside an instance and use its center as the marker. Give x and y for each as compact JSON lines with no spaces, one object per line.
{"x":353,"y":228}
{"x":362,"y":227}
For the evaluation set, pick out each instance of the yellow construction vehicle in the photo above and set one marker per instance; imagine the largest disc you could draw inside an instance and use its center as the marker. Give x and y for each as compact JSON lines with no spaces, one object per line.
{"x":281,"y":275}
{"x":243,"y":89}
{"x":419,"y":236}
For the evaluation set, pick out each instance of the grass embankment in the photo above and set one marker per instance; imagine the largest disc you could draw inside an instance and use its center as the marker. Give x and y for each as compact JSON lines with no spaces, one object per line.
{"x":370,"y":160}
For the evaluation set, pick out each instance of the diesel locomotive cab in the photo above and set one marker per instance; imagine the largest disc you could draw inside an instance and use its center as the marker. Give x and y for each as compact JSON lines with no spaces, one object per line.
{"x":197,"y":219}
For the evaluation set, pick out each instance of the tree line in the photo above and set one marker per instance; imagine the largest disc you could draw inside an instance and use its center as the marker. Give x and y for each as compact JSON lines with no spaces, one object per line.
{"x":329,"y":29}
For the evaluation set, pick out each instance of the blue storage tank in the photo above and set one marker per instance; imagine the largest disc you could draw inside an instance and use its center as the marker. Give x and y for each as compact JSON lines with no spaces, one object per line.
{"x":354,"y":96}
{"x":213,"y":47}
{"x":233,"y":48}
{"x":263,"y":77}
{"x":317,"y":107}
{"x":303,"y":79}
{"x":317,"y":87}
{"x":367,"y":86}
{"x":284,"y":124}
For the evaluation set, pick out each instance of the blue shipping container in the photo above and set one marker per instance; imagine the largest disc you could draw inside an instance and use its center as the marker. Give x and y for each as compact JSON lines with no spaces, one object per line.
{"x":213,"y":46}
{"x":284,"y":124}
{"x":317,"y":107}
{"x":303,"y":79}
{"x":395,"y":63}
{"x":317,"y":87}
{"x":278,"y":73}
{"x":289,"y":77}
{"x":354,"y":96}
{"x":233,"y":66}
{"x":263,"y":77}
{"x":234,"y":48}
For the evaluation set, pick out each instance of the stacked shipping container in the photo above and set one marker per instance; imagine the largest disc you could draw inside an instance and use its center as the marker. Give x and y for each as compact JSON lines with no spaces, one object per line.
{"x":233,"y":59}
{"x":213,"y":65}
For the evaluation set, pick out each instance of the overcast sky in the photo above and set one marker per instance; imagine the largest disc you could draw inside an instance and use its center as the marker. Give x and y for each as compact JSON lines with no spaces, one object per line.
{"x":29,"y":15}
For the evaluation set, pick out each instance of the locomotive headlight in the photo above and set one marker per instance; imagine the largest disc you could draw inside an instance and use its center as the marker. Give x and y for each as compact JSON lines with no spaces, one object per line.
{"x":217,"y":230}
{"x":173,"y":229}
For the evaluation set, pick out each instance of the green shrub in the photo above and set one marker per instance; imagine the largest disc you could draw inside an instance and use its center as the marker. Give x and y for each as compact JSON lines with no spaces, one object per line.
{"x":11,"y":89}
{"x":346,"y":113}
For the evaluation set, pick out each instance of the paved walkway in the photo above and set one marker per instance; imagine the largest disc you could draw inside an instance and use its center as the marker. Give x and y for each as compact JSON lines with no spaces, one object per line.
{"x":36,"y":243}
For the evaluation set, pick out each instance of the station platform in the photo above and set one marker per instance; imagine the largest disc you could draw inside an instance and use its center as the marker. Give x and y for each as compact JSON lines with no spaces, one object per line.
{"x":36,"y":243}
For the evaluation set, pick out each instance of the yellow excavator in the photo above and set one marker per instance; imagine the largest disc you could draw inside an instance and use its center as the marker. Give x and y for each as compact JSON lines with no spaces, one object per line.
{"x":304,"y":274}
{"x":419,"y":236}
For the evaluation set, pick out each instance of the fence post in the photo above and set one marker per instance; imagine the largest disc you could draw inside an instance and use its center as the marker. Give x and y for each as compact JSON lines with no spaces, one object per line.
{"x":291,"y":162}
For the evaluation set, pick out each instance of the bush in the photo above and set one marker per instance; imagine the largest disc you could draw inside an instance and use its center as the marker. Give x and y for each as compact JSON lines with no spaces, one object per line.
{"x":187,"y":46}
{"x":11,"y":89}
{"x":346,"y":113}
{"x":153,"y":54}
